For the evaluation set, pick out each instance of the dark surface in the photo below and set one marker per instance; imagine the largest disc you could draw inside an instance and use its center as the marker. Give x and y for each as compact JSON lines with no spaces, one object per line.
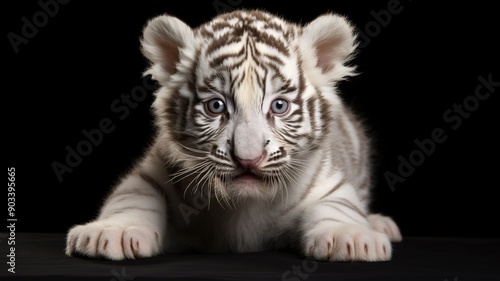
{"x":428,"y":58}
{"x":41,"y":255}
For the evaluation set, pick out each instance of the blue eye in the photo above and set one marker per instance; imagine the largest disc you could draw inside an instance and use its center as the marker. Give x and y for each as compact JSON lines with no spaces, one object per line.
{"x":279,"y":106}
{"x":216,"y":106}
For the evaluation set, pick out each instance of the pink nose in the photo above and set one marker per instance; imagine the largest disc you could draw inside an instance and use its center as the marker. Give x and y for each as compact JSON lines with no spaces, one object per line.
{"x":249,"y":163}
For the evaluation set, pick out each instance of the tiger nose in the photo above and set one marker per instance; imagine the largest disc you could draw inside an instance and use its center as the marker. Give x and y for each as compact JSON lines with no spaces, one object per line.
{"x":249,"y":163}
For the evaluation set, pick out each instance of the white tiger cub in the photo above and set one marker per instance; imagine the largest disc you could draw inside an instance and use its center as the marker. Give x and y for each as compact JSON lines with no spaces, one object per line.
{"x":254,"y":149}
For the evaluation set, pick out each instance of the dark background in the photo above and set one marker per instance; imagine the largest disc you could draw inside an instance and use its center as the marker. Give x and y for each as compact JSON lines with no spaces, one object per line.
{"x":415,"y":67}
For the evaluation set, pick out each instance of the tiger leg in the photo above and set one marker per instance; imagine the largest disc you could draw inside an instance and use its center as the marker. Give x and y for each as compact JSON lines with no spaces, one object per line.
{"x":336,"y":228}
{"x":131,"y":223}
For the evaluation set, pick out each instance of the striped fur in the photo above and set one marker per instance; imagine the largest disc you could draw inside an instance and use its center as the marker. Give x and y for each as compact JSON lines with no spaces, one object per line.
{"x":254,"y":149}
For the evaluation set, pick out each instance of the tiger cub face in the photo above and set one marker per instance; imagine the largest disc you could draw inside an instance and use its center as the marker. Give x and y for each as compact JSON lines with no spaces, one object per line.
{"x":246,"y":99}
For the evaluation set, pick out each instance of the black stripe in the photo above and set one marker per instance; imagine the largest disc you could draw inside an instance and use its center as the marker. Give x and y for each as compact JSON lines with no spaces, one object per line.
{"x":203,"y":31}
{"x":224,"y":40}
{"x":365,"y":184}
{"x":337,"y":186}
{"x":218,"y":26}
{"x":140,"y":209}
{"x":277,"y":72}
{"x":308,"y":189}
{"x":264,"y":78}
{"x":302,"y":83}
{"x":340,"y":210}
{"x":346,"y":203}
{"x":122,"y":196}
{"x":182,"y":106}
{"x":274,"y":26}
{"x":147,"y":178}
{"x":274,"y":59}
{"x":124,"y":209}
{"x":311,"y":107}
{"x":140,"y":192}
{"x":221,"y":58}
{"x":326,"y":219}
{"x":272,"y":42}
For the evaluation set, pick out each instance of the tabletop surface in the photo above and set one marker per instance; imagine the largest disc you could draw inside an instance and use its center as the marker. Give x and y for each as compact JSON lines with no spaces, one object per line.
{"x":416,"y":258}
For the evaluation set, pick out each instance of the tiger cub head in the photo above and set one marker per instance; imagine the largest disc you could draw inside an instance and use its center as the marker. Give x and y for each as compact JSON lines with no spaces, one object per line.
{"x":246,"y":98}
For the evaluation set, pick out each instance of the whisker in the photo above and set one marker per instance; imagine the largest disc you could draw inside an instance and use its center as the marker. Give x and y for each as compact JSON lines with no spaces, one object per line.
{"x":199,"y":172}
{"x":201,"y":153}
{"x":186,"y":172}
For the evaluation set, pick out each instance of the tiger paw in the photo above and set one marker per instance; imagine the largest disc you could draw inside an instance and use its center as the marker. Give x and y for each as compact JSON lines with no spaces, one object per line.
{"x":113,"y":241}
{"x":348,"y":243}
{"x":385,"y":225}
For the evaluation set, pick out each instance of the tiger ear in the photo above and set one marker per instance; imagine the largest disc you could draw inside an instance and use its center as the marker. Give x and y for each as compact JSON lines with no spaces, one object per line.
{"x":332,"y":40}
{"x":166,"y":40}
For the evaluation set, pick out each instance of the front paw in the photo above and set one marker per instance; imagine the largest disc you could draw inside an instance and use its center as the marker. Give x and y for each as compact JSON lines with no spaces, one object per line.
{"x":115,"y":241}
{"x":385,"y":225}
{"x":347,"y":242}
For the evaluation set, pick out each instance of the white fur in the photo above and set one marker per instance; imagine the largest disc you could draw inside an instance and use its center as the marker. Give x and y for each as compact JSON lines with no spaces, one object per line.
{"x":182,"y":196}
{"x":336,"y":32}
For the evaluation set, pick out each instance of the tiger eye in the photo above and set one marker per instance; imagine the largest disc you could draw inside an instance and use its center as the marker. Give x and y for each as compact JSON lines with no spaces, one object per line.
{"x":279,"y":106}
{"x":216,"y":106}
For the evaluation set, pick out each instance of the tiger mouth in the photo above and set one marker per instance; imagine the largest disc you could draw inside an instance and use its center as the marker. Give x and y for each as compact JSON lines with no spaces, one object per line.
{"x":248,"y":175}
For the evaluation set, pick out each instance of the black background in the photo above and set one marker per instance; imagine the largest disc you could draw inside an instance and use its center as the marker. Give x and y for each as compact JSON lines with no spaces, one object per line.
{"x":413,"y":69}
